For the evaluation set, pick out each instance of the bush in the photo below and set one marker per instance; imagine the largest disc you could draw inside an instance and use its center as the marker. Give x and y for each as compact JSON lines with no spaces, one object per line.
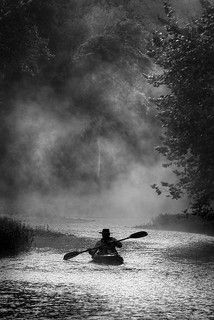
{"x":15,"y":237}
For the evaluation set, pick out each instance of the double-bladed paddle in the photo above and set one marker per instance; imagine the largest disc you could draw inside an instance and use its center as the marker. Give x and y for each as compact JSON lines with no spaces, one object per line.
{"x":136,"y":235}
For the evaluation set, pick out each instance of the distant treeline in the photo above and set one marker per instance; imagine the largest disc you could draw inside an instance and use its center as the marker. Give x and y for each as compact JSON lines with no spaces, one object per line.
{"x":181,"y":222}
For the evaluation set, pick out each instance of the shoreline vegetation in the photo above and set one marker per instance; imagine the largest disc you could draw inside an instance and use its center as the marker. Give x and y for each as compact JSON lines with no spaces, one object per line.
{"x":17,"y":237}
{"x":180,"y":222}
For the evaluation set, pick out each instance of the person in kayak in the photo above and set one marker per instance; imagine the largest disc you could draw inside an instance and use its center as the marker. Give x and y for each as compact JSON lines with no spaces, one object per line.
{"x":108,"y":244}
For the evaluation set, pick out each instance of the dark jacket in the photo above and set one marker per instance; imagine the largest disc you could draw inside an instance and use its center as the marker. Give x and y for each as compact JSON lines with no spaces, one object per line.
{"x":108,"y":246}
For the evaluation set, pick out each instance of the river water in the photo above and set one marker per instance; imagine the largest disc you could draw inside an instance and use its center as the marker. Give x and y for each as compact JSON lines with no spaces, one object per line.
{"x":166,"y":275}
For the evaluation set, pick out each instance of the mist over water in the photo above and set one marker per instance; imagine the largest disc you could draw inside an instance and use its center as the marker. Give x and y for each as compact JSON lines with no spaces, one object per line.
{"x":128,"y":200}
{"x":90,"y":150}
{"x":68,"y":162}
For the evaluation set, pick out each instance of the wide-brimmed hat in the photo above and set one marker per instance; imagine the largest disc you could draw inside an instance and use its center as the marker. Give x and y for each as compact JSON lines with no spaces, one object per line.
{"x":105,"y":231}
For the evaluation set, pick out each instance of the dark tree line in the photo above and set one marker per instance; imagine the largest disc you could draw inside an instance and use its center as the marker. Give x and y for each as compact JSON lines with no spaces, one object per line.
{"x":186,"y":55}
{"x":37,"y":38}
{"x":37,"y":42}
{"x":27,"y":50}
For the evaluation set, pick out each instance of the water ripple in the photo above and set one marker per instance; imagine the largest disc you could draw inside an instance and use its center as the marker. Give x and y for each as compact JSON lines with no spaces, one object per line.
{"x":166,"y":276}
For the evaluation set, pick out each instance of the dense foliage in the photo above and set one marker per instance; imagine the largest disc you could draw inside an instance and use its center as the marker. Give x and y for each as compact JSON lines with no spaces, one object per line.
{"x":23,"y":47}
{"x":186,"y":54}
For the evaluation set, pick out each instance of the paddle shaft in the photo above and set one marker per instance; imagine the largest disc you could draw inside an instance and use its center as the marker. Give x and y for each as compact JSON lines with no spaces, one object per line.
{"x":136,"y":235}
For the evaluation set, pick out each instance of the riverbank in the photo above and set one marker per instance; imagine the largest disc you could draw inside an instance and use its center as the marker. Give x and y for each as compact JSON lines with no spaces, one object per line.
{"x":17,"y":237}
{"x":46,"y":238}
{"x":180,"y":222}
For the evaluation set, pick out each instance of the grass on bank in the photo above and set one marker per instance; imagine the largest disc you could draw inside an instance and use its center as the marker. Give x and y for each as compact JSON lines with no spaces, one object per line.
{"x":17,"y":237}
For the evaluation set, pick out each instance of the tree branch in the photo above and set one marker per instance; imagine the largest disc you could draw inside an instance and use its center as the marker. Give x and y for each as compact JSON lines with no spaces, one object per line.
{"x":20,"y":6}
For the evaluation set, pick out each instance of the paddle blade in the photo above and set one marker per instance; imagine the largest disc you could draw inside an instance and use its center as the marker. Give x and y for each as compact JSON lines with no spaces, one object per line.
{"x":70,"y":255}
{"x":139,"y":234}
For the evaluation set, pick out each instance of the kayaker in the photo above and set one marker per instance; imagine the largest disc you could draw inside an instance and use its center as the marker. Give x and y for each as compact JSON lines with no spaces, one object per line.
{"x":108,"y":244}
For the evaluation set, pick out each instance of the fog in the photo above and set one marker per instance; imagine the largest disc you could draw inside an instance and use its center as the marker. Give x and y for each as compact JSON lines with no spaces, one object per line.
{"x":67,"y":166}
{"x":91,"y":151}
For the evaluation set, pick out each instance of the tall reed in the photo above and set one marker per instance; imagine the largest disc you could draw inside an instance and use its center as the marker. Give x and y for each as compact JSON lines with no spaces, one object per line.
{"x":15,"y":237}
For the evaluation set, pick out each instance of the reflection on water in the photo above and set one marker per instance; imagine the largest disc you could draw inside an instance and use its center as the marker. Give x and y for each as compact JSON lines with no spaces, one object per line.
{"x":29,"y":301}
{"x":166,"y":275}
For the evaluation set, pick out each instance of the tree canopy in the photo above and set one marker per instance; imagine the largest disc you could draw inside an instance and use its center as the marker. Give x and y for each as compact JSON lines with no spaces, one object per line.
{"x":186,"y":55}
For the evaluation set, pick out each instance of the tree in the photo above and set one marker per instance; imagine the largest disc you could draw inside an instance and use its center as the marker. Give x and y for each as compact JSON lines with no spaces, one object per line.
{"x":27,"y":31}
{"x":186,"y":56}
{"x":22,"y":47}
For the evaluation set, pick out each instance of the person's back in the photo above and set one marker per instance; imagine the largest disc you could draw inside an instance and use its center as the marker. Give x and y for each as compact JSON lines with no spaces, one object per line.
{"x":107,"y":244}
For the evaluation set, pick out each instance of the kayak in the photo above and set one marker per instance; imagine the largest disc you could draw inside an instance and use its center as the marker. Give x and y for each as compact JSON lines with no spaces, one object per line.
{"x":110,"y":259}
